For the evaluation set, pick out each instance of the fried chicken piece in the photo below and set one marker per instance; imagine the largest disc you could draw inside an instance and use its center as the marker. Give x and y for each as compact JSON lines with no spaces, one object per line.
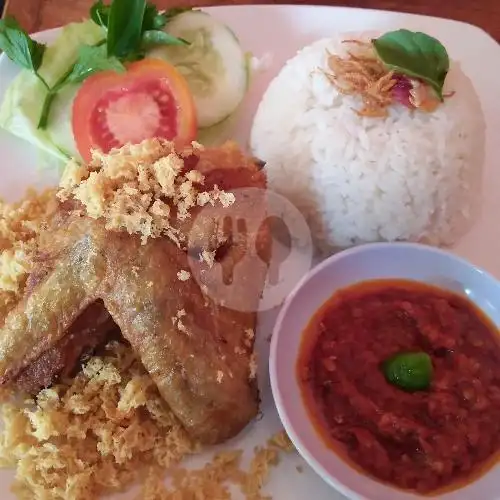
{"x":90,"y":330}
{"x":197,"y":351}
{"x":52,"y":305}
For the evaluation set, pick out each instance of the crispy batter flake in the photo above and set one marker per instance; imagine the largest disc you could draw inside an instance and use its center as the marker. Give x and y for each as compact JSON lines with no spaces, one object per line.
{"x":183,"y":275}
{"x":144,"y":189}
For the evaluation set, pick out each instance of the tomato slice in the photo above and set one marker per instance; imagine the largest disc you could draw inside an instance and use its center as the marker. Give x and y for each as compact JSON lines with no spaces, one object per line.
{"x":151,"y":99}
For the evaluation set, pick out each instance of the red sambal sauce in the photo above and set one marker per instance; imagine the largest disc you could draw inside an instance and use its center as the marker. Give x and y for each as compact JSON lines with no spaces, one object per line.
{"x":424,"y":440}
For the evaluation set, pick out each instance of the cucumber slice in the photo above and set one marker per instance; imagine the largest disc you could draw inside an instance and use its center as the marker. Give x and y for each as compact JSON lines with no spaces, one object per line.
{"x":214,"y":64}
{"x":59,"y":129}
{"x":218,"y":134}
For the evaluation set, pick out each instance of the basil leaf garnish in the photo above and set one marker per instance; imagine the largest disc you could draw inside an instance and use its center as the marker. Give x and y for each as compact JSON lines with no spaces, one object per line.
{"x":19,"y":46}
{"x":91,"y":60}
{"x":125,"y":27}
{"x":156,"y":37}
{"x":416,"y":55}
{"x":99,"y":13}
{"x":153,"y":20}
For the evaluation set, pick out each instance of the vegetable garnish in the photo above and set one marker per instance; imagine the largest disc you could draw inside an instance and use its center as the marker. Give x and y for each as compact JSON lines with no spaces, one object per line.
{"x":90,"y":60}
{"x":99,"y":13}
{"x":151,"y":99}
{"x":152,"y":19}
{"x":133,"y":26}
{"x":214,"y":64}
{"x":410,"y":371}
{"x":361,"y":73}
{"x":416,"y":55}
{"x":129,"y":28}
{"x":399,"y":67}
{"x":20,"y":48}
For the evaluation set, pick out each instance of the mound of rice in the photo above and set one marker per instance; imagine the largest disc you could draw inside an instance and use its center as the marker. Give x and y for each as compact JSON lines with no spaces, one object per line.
{"x":411,"y":176}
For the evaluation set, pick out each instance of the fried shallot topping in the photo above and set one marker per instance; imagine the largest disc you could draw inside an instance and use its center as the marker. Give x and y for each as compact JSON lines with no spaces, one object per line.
{"x":362,"y":73}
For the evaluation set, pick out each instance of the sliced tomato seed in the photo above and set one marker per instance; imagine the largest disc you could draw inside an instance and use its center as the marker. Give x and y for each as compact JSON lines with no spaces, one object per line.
{"x":111,"y":116}
{"x":160,"y":81}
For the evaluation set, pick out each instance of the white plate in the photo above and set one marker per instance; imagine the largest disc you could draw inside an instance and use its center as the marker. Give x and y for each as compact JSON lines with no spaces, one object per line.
{"x":279,"y":31}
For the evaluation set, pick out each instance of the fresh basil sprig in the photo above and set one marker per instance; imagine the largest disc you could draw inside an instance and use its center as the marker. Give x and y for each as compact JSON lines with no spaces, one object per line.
{"x":155,"y":37}
{"x":153,"y":20}
{"x":91,"y":59}
{"x":416,"y":55}
{"x":99,"y":13}
{"x":153,"y":24}
{"x":28,"y":53}
{"x":20,"y":47}
{"x":125,"y":28}
{"x":133,"y":26}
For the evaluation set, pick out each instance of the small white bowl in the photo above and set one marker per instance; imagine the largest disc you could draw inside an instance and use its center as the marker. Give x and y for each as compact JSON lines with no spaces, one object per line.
{"x":373,"y":261}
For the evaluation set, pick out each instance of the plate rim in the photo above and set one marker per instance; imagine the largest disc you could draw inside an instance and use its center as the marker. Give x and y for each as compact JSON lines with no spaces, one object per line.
{"x":473,"y":30}
{"x":287,"y":6}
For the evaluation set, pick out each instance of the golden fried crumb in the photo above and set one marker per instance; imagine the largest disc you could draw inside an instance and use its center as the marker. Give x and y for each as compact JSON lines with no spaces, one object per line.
{"x":197,"y":145}
{"x":93,"y":435}
{"x":263,"y":460}
{"x":249,"y":336}
{"x":109,"y":427}
{"x":183,"y":275}
{"x":226,"y":199}
{"x":20,"y":225}
{"x":176,"y":321}
{"x":203,"y":198}
{"x":182,"y":327}
{"x":73,"y":174}
{"x":142,"y":189}
{"x":208,"y":257}
{"x":281,"y":441}
{"x":195,"y":176}
{"x":238,"y":350}
{"x":220,"y":376}
{"x":180,"y":313}
{"x":214,"y":480}
{"x":253,"y":366}
{"x":14,"y":266}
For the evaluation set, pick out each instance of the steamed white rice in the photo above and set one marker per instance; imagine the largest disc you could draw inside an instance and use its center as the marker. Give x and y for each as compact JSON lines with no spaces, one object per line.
{"x":412,"y":176}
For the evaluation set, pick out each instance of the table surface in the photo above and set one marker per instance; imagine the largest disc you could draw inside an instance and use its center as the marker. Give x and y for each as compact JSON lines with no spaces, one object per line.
{"x":36,"y":15}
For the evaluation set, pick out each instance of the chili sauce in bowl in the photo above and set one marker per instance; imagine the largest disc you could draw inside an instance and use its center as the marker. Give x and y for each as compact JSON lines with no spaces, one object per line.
{"x":403,"y":379}
{"x":385,"y":370}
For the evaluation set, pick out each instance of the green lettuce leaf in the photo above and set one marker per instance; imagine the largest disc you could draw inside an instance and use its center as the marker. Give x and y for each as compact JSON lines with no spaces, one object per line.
{"x":22,"y":104}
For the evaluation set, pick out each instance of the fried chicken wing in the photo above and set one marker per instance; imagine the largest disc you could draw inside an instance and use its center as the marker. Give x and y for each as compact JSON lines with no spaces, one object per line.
{"x":197,"y":349}
{"x":185,"y":341}
{"x":44,"y":316}
{"x":90,"y":330}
